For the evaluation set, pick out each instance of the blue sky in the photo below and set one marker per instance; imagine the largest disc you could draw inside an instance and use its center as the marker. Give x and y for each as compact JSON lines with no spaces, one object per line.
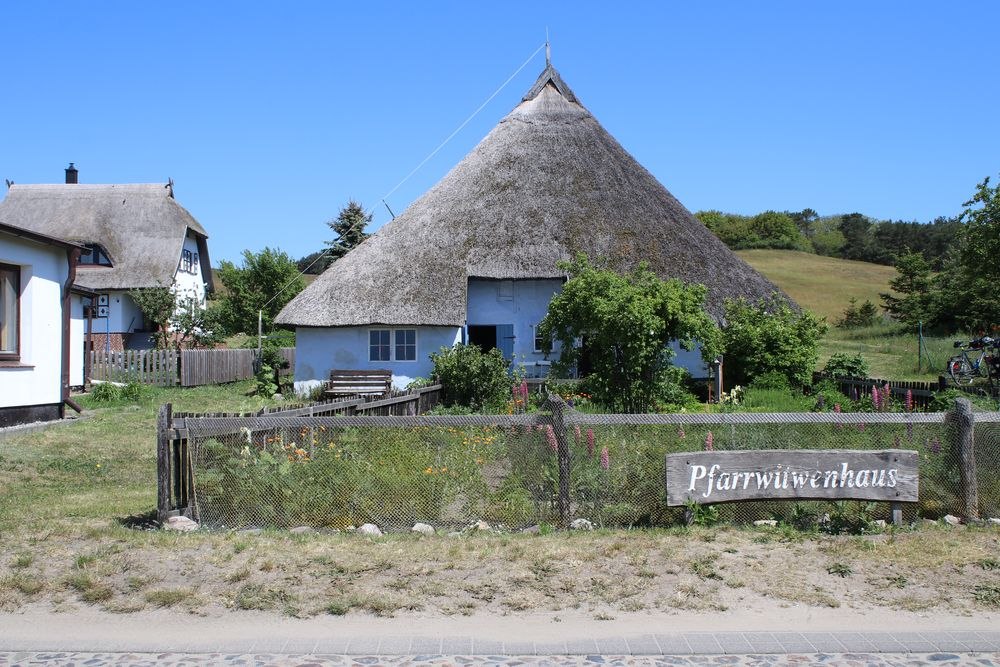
{"x":270,"y":117}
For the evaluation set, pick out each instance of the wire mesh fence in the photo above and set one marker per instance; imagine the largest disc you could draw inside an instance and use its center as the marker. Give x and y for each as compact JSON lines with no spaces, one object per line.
{"x":520,"y":470}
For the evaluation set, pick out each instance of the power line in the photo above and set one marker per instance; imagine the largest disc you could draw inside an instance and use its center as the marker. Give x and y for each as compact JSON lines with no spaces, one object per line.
{"x":417,"y":168}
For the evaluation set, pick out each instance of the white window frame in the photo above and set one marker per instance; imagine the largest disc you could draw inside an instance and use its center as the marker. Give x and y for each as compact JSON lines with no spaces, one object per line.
{"x":14,"y":353}
{"x":370,"y":346}
{"x":535,"y":338}
{"x":392,"y":345}
{"x":395,"y":345}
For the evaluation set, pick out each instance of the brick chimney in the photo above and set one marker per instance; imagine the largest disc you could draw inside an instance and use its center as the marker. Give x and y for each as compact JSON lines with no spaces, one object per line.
{"x":71,"y":173}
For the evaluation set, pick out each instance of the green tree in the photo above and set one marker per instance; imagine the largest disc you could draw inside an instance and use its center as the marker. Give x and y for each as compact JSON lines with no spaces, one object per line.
{"x":980,"y":237}
{"x":266,"y":281}
{"x":626,"y":324}
{"x":769,"y":337}
{"x":157,"y":305}
{"x":963,"y":294}
{"x":913,"y":284}
{"x":856,"y":229}
{"x":349,"y":226}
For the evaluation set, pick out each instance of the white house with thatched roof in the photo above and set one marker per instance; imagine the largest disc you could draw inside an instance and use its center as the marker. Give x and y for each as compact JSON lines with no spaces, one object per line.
{"x":474,"y":258}
{"x":138,"y":236}
{"x":40,"y":323}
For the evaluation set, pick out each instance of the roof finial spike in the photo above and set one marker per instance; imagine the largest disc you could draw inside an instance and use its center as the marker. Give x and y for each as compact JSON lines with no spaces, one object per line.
{"x":548,"y":49}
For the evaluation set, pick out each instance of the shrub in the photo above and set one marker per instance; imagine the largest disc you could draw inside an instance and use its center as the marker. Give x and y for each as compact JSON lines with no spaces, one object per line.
{"x":472,"y":377}
{"x":770,"y":336}
{"x":621,"y":326}
{"x":842,"y":364}
{"x":109,"y":393}
{"x":857,"y":317}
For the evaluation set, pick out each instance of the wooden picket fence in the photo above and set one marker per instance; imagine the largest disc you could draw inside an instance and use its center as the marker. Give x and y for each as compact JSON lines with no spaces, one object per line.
{"x":155,"y":367}
{"x":187,"y":368}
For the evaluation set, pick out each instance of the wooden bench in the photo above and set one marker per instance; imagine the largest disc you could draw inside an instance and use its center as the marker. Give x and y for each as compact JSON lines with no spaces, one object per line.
{"x":359,"y":383}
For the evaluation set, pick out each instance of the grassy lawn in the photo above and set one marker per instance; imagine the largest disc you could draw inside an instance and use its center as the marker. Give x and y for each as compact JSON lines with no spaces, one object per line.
{"x":66,"y":493}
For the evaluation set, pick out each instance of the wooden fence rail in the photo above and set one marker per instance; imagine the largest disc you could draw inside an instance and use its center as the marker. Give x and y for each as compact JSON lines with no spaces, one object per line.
{"x":188,"y":368}
{"x":922,"y":391}
{"x":174,"y":471}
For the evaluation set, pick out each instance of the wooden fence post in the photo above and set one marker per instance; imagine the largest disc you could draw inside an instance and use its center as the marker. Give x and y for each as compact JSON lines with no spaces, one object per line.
{"x":961,"y":429}
{"x":163,"y":462}
{"x":562,"y":452}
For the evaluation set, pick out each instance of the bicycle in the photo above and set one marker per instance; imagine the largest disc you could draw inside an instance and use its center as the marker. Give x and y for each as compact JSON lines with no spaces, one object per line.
{"x":964,"y":369}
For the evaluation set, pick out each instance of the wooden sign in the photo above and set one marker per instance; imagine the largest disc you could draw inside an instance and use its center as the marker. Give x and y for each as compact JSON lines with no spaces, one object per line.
{"x":792,"y":474}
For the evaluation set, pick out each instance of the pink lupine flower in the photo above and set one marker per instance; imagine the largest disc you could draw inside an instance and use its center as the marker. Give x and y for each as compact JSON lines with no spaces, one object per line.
{"x":550,"y":435}
{"x":836,"y":408}
{"x":709,"y":441}
{"x":524,"y":391}
{"x":576,"y":433}
{"x":680,"y":433}
{"x":605,"y":458}
{"x":861,"y":426}
{"x":590,"y":442}
{"x":909,"y":400}
{"x":876,"y":398}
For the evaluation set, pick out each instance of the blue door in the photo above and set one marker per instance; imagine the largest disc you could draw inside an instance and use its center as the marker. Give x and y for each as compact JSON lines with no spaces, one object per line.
{"x":505,"y":340}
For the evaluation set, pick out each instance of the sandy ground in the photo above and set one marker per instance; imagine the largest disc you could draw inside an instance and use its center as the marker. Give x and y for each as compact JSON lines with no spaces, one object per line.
{"x":34,"y":624}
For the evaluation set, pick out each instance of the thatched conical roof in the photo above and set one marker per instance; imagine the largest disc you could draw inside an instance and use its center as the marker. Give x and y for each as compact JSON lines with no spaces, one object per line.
{"x":141,"y":226}
{"x":547,"y":183}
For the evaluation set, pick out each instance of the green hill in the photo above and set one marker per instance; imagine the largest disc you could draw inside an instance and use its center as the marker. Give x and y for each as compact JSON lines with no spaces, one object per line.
{"x":824,"y":285}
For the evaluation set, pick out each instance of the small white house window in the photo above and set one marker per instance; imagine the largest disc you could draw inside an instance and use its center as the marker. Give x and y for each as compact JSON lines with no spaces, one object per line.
{"x":10,"y":312}
{"x":537,"y":337}
{"x":185,"y":261}
{"x":406,"y":344}
{"x":392,"y":345}
{"x":379,"y":348}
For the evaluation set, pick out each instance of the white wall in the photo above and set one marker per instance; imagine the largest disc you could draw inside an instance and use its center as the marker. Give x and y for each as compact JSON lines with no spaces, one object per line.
{"x":44,"y":270}
{"x":123,"y":315}
{"x":318,"y":350}
{"x":76,"y":338}
{"x":187,"y":284}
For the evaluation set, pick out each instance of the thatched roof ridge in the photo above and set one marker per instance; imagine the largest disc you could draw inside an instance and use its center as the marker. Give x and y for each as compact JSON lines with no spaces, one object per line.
{"x":141,"y":226}
{"x":546,"y":183}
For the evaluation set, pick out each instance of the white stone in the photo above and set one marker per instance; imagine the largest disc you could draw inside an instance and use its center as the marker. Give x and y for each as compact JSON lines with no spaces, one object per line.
{"x":305,"y":388}
{"x":766,"y":522}
{"x":370,"y":529}
{"x":952,"y":520}
{"x":880,"y":523}
{"x":532,"y":530}
{"x":479,"y":526}
{"x":299,"y":530}
{"x":180,"y":523}
{"x":422,"y":528}
{"x":994,"y":521}
{"x":581,"y":524}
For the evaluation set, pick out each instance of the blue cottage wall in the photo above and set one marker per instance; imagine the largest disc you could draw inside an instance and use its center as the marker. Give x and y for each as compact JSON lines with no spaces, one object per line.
{"x":318,"y":350}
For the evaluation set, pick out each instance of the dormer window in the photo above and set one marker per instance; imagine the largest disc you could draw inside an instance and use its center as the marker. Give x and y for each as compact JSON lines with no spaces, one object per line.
{"x":190,"y":262}
{"x":98,"y":255}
